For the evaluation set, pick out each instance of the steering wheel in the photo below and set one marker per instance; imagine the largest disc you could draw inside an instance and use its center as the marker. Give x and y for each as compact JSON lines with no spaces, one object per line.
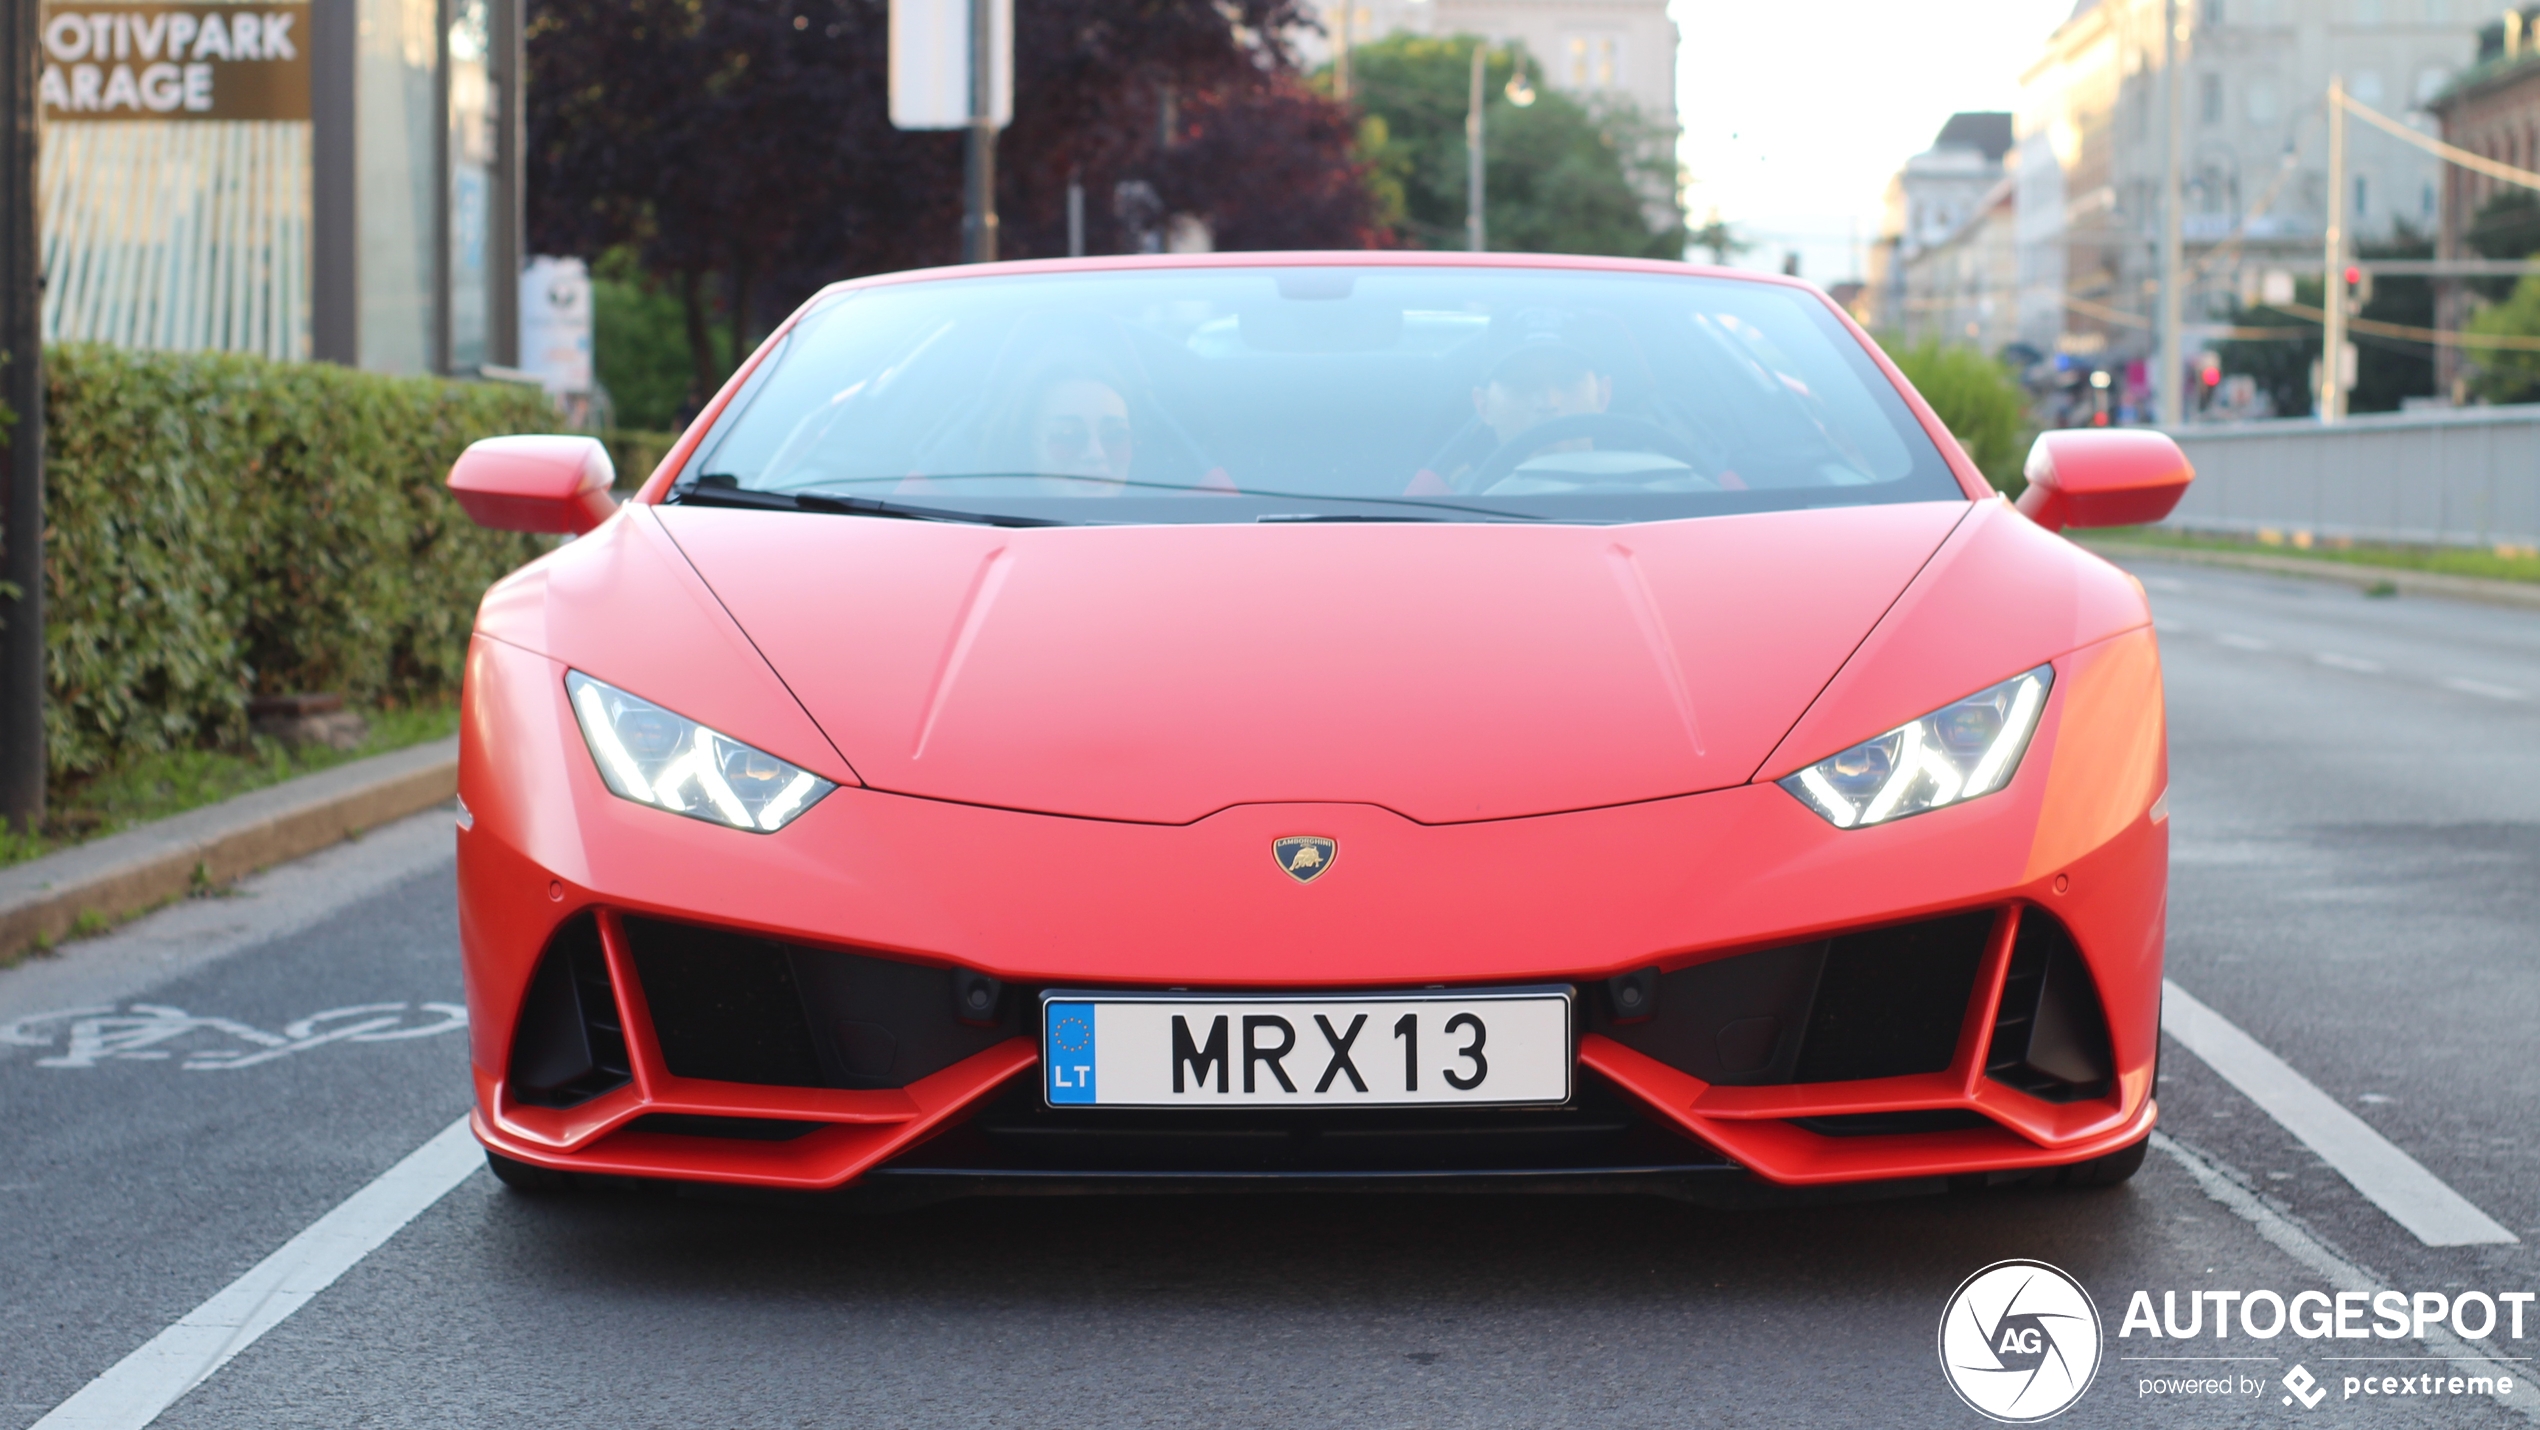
{"x":1629,"y":433}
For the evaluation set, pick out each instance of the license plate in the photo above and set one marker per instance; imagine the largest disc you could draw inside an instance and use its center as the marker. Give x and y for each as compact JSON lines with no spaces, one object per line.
{"x":1495,"y":1047}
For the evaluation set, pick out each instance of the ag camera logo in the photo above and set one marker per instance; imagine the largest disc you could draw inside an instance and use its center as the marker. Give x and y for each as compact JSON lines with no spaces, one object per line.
{"x":2019,"y":1342}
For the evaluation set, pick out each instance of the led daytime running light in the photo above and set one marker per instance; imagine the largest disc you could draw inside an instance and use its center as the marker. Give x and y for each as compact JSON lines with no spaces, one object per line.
{"x":1954,"y":754}
{"x":651,"y":756}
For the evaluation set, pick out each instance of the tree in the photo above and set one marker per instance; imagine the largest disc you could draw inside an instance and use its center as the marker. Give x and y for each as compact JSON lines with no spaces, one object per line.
{"x":1559,"y":176}
{"x":742,"y":148}
{"x":1979,"y":400}
{"x":2504,"y":374}
{"x":1718,"y":239}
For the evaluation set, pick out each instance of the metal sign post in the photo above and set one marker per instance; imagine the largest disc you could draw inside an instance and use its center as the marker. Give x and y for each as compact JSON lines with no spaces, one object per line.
{"x":941,"y":80}
{"x":2332,"y":400}
{"x":22,"y":389}
{"x":1475,"y":237}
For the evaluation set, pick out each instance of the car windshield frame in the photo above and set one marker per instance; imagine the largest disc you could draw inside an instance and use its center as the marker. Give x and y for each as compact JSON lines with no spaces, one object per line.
{"x":1547,"y":394}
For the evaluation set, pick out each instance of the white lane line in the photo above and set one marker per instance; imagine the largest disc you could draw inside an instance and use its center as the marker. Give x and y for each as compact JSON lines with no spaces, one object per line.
{"x":2355,"y":663}
{"x":2391,"y":1179}
{"x":2481,"y":687}
{"x":2240,"y":642}
{"x":183,"y":1356}
{"x":2335,"y":1268}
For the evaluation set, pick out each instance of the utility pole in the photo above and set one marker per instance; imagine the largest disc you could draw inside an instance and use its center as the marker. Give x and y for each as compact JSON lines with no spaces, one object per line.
{"x":979,"y":156}
{"x":2332,"y":400}
{"x":2170,"y":402}
{"x":22,"y":388}
{"x":1340,"y":53}
{"x":1474,"y":236}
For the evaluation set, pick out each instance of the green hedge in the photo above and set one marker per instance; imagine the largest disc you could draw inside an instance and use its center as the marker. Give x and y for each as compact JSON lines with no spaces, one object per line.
{"x":223,"y":526}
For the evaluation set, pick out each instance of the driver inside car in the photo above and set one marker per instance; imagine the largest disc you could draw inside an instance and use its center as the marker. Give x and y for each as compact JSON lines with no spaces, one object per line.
{"x":1537,"y":383}
{"x":1542,"y":380}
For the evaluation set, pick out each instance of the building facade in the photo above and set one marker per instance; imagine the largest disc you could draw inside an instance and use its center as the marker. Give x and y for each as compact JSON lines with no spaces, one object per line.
{"x":329,"y":179}
{"x":2493,"y":110}
{"x":2092,"y":148}
{"x":1932,"y":225}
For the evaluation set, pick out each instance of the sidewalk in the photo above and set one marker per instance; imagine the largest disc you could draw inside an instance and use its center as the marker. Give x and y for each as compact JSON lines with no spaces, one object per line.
{"x":97,"y":885}
{"x":2525,"y":594}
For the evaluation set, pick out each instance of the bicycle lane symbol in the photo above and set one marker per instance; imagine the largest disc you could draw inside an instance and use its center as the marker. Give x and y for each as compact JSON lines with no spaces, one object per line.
{"x":144,"y":1032}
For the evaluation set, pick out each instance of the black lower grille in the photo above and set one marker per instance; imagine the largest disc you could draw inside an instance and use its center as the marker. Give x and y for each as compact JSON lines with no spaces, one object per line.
{"x":1883,"y":1002}
{"x":730,"y":1129}
{"x":2050,"y":1039}
{"x":732,"y":1008}
{"x":1890,"y":1124}
{"x":1599,"y":1129}
{"x":568,"y":1046}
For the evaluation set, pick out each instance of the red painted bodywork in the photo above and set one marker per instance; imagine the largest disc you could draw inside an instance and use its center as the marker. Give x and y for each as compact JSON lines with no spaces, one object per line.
{"x":1548,"y":752}
{"x":2103,"y":478}
{"x":550,"y":484}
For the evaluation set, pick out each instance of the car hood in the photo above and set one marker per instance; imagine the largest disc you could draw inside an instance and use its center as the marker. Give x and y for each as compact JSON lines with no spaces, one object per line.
{"x":1446,"y":672}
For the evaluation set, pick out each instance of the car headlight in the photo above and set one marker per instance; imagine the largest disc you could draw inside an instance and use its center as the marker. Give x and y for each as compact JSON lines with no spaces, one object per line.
{"x":1948,"y":757}
{"x":651,"y":756}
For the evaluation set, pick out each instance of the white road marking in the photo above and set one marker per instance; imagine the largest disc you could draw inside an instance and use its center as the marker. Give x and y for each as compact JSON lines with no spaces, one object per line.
{"x":2391,"y":1179}
{"x":2481,"y":687}
{"x":2241,"y":642}
{"x":2163,"y":583}
{"x":2332,"y":1266}
{"x":99,"y":1034}
{"x":148,"y":1381}
{"x":2355,"y":663}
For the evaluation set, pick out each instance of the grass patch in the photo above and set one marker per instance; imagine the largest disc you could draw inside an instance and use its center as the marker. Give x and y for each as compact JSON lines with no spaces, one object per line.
{"x":2500,"y":563}
{"x":154,"y":786}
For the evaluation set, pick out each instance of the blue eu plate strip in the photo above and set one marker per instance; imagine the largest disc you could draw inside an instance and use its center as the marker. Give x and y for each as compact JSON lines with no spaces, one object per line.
{"x":1068,"y":1052}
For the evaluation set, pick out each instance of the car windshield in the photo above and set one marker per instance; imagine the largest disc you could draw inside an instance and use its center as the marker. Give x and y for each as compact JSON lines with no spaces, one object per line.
{"x":1317,"y":394}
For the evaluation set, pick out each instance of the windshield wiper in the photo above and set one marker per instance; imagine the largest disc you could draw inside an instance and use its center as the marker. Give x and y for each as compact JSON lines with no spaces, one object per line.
{"x":716,"y":489}
{"x":1291,"y":517}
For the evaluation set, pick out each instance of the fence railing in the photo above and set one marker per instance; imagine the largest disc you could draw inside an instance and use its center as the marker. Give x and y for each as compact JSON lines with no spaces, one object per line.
{"x":2462,"y":478}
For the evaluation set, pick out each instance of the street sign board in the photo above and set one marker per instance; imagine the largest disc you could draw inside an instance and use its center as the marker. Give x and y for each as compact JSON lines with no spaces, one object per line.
{"x":930,"y":63}
{"x":106,"y":61}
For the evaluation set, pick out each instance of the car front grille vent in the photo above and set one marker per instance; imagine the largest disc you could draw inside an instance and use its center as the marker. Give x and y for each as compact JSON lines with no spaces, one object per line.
{"x":1883,"y":1002}
{"x":733,"y":1007}
{"x":569,"y":1046}
{"x":2050,"y":1039}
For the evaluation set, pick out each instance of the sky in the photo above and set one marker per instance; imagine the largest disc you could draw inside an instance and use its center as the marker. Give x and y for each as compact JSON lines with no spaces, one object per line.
{"x":1795,"y":114}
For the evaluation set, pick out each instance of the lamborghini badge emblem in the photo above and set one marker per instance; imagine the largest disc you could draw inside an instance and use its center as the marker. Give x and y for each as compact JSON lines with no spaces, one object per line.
{"x":1304,"y":857}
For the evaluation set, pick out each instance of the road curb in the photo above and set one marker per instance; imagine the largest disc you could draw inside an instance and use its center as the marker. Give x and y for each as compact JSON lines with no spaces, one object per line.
{"x":2521,"y":594}
{"x":125,"y":874}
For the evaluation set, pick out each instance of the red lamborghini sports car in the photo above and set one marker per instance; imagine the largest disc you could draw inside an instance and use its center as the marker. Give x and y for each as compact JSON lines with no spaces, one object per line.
{"x":1347,"y":720}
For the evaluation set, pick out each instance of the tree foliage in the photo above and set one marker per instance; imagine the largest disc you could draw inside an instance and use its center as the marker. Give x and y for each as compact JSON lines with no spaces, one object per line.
{"x":743,"y":148}
{"x":2503,"y":374}
{"x":1979,"y":400}
{"x":1558,"y":177}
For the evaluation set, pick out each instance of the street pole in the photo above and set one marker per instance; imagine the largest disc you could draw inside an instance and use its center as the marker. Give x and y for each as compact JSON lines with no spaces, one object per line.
{"x":1340,"y":53}
{"x":979,"y":156}
{"x":2333,"y":275}
{"x":22,"y":388}
{"x":1474,"y":237}
{"x":2170,"y":403}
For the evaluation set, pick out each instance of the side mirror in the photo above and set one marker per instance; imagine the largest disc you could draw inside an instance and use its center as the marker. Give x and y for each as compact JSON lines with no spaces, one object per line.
{"x":2103,"y":477}
{"x":535,"y":483}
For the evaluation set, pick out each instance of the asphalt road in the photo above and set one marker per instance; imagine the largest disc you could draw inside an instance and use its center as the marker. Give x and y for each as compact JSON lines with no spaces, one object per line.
{"x":2356,"y":795}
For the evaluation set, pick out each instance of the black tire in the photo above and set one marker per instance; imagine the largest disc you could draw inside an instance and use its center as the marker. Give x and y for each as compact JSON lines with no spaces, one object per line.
{"x":526,"y":1179}
{"x":2115,"y":1169}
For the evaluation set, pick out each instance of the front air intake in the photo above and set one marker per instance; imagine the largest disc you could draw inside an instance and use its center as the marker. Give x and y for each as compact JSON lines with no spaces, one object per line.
{"x":733,"y":1007}
{"x":569,"y":1046}
{"x":2050,"y":1039}
{"x":1883,"y":1002}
